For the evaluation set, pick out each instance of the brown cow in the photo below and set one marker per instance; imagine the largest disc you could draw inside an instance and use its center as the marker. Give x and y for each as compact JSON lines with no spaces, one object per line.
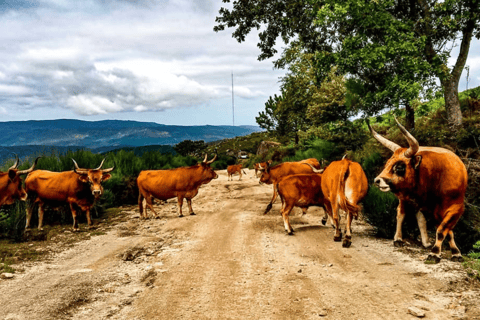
{"x":299,"y":190}
{"x":432,"y":179}
{"x":344,"y":185}
{"x":272,"y":175}
{"x":233,"y":169}
{"x":79,"y":188}
{"x":11,"y":187}
{"x":258,"y":167}
{"x":180,"y":182}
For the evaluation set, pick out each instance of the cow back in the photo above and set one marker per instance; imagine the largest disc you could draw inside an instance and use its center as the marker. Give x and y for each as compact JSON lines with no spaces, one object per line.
{"x":54,"y":186}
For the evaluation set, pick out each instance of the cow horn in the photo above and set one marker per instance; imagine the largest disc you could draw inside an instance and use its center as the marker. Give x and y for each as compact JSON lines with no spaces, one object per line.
{"x":385,"y":142}
{"x":101,"y":164}
{"x":205,"y":160}
{"x":28,"y":170}
{"x":344,"y":157}
{"x":15,"y":165}
{"x":109,"y":169}
{"x":313,"y":168}
{"x":412,"y":142}
{"x":77,"y":169}
{"x":214,"y":158}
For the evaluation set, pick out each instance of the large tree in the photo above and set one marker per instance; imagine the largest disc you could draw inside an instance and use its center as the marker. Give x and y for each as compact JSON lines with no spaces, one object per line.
{"x":392,"y":47}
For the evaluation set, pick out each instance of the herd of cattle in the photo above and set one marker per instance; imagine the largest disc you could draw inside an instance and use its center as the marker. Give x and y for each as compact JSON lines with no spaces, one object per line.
{"x":431,"y":179}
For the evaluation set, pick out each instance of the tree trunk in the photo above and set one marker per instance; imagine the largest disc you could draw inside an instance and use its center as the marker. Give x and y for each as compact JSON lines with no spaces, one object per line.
{"x":409,"y":117}
{"x":452,"y":103}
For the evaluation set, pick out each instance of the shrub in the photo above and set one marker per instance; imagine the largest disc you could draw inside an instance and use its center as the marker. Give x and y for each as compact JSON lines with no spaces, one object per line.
{"x":380,"y":210}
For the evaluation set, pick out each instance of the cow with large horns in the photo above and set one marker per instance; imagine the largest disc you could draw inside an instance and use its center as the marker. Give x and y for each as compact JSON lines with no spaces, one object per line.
{"x":432,"y":179}
{"x":11,"y":187}
{"x":79,"y":188}
{"x":181,"y":182}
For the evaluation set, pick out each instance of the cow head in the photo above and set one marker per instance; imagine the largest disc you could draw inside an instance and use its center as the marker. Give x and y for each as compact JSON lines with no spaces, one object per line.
{"x":400,"y":170}
{"x":11,"y":185}
{"x":265,"y":176}
{"x":208,"y":174}
{"x":93,"y":177}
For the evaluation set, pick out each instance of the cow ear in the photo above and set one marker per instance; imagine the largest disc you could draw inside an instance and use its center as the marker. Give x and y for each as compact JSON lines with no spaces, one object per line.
{"x":106,"y":176}
{"x":83,"y":178}
{"x":12,"y":173}
{"x":418,"y":160}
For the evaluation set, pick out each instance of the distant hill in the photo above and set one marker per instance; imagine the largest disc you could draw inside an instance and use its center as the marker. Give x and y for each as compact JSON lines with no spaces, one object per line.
{"x":96,"y":134}
{"x":37,"y":137}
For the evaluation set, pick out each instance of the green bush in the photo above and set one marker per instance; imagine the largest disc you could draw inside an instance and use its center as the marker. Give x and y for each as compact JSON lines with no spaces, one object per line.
{"x":380,"y":210}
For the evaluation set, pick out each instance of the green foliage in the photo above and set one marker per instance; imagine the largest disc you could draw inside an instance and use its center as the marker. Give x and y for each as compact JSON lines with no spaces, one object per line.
{"x":191,"y":148}
{"x":317,"y":148}
{"x":12,"y":221}
{"x":380,"y":210}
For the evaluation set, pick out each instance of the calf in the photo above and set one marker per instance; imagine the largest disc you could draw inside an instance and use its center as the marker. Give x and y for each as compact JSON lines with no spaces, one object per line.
{"x":233,"y":169}
{"x":432,"y":179}
{"x":272,"y":175}
{"x":299,"y":190}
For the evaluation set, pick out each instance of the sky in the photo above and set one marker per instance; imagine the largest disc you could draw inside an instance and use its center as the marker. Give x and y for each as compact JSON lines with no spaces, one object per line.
{"x":142,"y":60}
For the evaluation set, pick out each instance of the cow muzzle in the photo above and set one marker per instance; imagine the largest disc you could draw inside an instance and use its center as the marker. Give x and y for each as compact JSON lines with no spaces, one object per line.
{"x":96,"y":193}
{"x":382,"y":184}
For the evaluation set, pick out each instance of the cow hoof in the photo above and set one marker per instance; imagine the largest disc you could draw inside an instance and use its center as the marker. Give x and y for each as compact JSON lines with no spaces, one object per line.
{"x":193,"y":214}
{"x":337,"y":239}
{"x":457,"y":259}
{"x":346,"y":243}
{"x":180,"y":216}
{"x":290,"y":233}
{"x":432,"y":259}
{"x":75,"y":230}
{"x":398,"y":243}
{"x":324,"y":221}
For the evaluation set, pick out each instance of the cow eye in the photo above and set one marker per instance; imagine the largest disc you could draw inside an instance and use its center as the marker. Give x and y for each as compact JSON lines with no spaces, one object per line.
{"x":399,"y":169}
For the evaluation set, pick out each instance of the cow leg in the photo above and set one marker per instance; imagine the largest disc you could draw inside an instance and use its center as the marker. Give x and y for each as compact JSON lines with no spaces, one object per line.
{"x":142,"y":206}
{"x":450,"y":219}
{"x":422,"y":226}
{"x":347,"y":242}
{"x":190,"y":210}
{"x":275,"y":194}
{"x":398,"y":239}
{"x":89,"y":220}
{"x":40,"y":216}
{"x":29,"y":215}
{"x":149,"y":204}
{"x":240,"y":174}
{"x":285,"y":214}
{"x":74,"y":216}
{"x":325,"y":216}
{"x":456,"y":255}
{"x":336,"y":221}
{"x":180,"y":204}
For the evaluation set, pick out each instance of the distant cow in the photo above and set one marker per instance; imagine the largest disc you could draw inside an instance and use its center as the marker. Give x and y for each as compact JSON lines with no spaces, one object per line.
{"x":272,"y":175}
{"x":180,"y":182}
{"x":258,"y":166}
{"x":79,"y":188}
{"x":233,"y":169}
{"x":11,"y":187}
{"x":299,"y":190}
{"x":344,"y":185}
{"x":432,"y":179}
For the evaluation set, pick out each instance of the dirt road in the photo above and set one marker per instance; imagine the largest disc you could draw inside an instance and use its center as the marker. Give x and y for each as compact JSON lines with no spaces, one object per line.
{"x":232,"y":262}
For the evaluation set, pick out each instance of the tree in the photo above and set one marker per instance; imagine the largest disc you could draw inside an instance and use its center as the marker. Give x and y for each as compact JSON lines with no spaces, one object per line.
{"x":268,"y":119}
{"x":395,"y":48}
{"x":191,"y":148}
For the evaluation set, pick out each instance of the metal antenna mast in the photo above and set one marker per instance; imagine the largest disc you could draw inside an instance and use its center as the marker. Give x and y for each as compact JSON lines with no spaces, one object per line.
{"x":233,"y":107}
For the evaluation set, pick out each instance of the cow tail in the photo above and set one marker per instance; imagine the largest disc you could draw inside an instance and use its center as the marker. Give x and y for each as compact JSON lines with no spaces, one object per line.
{"x":344,"y":204}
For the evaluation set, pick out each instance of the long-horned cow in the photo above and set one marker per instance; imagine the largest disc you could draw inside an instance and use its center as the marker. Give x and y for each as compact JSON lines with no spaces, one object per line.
{"x":272,"y":175}
{"x":79,"y":188}
{"x":11,"y":187}
{"x":432,"y":179}
{"x":344,"y":185}
{"x":181,"y":182}
{"x":233,"y":169}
